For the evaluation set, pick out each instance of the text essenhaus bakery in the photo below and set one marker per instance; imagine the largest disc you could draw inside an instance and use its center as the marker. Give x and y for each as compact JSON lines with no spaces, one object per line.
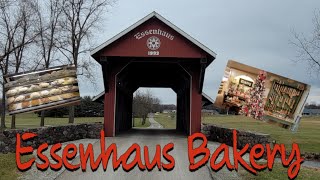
{"x":160,"y":32}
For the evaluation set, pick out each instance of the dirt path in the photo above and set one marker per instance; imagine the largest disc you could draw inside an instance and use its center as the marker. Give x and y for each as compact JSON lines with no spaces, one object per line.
{"x":153,"y":123}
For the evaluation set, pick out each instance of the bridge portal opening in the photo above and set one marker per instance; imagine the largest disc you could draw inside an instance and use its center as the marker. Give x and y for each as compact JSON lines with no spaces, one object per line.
{"x":154,"y":108}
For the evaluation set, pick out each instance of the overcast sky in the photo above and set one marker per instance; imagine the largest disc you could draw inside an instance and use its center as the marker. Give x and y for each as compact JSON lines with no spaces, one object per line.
{"x":254,"y":32}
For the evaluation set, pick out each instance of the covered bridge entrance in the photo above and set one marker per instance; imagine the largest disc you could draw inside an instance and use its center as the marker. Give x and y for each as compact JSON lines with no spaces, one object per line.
{"x":152,"y":53}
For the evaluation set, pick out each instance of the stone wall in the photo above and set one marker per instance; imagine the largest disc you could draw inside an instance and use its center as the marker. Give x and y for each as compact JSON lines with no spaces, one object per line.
{"x":50,"y":135}
{"x":225,"y":135}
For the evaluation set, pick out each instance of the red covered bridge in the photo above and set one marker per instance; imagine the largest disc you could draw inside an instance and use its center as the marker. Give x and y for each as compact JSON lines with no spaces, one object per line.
{"x":152,"y":53}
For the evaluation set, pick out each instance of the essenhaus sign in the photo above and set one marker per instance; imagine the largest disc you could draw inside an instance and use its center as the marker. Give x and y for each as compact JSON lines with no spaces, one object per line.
{"x":160,"y":32}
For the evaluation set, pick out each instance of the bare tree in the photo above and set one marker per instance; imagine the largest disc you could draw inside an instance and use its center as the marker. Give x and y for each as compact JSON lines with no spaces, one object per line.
{"x":49,"y":34}
{"x":81,"y":18}
{"x":24,"y":32}
{"x":309,"y":46}
{"x":15,"y":35}
{"x":143,"y":104}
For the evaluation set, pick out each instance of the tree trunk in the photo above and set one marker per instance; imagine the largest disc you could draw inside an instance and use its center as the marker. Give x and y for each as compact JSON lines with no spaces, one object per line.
{"x":71,"y":114}
{"x":144,"y":119}
{"x":3,"y":113}
{"x":13,"y":121}
{"x":42,"y":118}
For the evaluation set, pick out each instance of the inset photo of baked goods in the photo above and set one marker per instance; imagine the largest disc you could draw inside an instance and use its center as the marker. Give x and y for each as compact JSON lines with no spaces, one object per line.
{"x":41,"y":89}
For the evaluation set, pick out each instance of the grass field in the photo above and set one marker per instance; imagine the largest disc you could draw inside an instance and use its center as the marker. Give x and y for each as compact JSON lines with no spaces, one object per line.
{"x":166,"y":120}
{"x":138,"y":123}
{"x":31,"y":120}
{"x":279,"y":172}
{"x":8,"y":167}
{"x":307,"y":136}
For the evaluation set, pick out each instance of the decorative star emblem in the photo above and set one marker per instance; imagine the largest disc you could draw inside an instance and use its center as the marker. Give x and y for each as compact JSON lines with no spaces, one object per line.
{"x":153,"y":43}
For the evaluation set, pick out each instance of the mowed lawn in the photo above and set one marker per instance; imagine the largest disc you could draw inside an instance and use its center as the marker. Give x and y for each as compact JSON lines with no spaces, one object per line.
{"x":31,"y":120}
{"x":307,"y":136}
{"x":138,"y":123}
{"x":280,"y":172}
{"x":8,"y":167}
{"x":166,"y":120}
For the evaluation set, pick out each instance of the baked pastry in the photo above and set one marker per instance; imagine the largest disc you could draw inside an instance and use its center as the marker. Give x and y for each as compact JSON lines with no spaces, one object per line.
{"x":12,"y":107}
{"x":18,"y":106}
{"x":35,"y":95}
{"x":33,"y":88}
{"x":75,"y":94}
{"x":70,"y":80}
{"x":45,"y":100}
{"x":66,"y":96}
{"x":55,"y":91}
{"x":44,"y":93}
{"x":35,"y":102}
{"x":60,"y":81}
{"x":20,"y":98}
{"x":22,"y":90}
{"x":54,"y":98}
{"x":12,"y":92}
{"x":10,"y":100}
{"x":65,"y":88}
{"x":44,"y":85}
{"x":25,"y":104}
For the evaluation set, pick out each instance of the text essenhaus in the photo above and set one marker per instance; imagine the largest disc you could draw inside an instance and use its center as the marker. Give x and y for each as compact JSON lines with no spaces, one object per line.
{"x":140,"y":35}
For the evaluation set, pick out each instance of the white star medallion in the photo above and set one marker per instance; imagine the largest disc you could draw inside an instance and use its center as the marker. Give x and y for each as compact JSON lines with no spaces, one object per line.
{"x":153,"y":43}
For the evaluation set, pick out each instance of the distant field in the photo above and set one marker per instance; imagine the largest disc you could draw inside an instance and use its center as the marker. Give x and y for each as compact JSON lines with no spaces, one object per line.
{"x":166,"y":120}
{"x":31,"y":120}
{"x":307,"y":136}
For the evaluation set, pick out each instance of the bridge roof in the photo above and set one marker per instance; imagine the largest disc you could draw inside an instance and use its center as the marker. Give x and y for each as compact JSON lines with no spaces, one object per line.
{"x":123,"y":36}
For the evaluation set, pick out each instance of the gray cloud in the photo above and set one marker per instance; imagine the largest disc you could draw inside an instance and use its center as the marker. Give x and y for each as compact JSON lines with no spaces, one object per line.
{"x":256,"y":33}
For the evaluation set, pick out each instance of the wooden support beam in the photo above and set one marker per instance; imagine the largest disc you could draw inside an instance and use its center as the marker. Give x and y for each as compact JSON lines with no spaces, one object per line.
{"x":203,"y":64}
{"x":105,"y":70}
